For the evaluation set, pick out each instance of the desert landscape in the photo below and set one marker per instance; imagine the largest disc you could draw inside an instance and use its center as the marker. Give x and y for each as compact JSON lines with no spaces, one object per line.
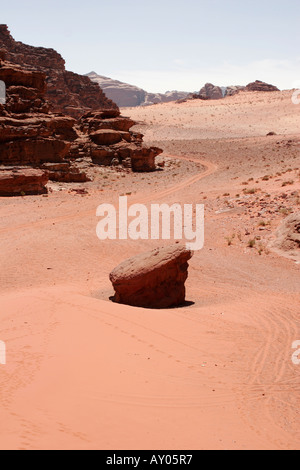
{"x":84,"y":372}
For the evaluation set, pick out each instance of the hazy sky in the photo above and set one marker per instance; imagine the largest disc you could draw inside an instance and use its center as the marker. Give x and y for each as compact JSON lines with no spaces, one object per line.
{"x":164,"y":45}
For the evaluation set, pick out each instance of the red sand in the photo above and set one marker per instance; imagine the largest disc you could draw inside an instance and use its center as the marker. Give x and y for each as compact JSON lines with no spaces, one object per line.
{"x":84,"y":373}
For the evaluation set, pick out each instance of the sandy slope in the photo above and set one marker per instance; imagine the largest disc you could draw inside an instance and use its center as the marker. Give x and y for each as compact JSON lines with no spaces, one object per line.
{"x":84,"y":373}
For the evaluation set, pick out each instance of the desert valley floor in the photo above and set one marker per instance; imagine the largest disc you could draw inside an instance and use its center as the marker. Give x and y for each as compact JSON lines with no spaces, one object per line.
{"x":83,"y":372}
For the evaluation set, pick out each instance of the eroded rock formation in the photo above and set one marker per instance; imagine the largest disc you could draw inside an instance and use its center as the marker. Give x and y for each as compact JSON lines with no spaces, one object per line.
{"x":67,"y":92}
{"x":153,"y":280}
{"x":211,"y":92}
{"x":260,"y":86}
{"x":22,"y":181}
{"x":31,"y":135}
{"x":233,"y":90}
{"x":106,"y":138}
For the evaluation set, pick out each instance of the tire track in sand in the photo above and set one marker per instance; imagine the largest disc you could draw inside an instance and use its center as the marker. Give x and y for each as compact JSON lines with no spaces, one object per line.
{"x":210,"y":168}
{"x":271,"y":375}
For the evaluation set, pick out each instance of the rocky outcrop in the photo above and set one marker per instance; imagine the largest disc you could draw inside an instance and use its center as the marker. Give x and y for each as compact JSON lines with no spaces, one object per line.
{"x":260,"y":86}
{"x":153,"y":280}
{"x":233,"y":90}
{"x":143,"y":159}
{"x":64,"y":173}
{"x":287,"y":242}
{"x":107,"y":139}
{"x":31,"y":135}
{"x":211,"y":92}
{"x":156,"y":98}
{"x":23,"y":181}
{"x":125,"y":95}
{"x":67,"y":92}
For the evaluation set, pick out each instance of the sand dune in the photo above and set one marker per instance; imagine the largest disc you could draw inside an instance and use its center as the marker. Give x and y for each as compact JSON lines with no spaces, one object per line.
{"x":84,"y":373}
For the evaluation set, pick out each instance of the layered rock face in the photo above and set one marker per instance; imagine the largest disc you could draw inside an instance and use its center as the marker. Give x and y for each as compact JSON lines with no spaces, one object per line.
{"x":68,"y":92}
{"x":153,"y":280}
{"x":31,"y":136}
{"x":126,"y":95}
{"x":106,"y":138}
{"x":22,"y":182}
{"x":260,"y":86}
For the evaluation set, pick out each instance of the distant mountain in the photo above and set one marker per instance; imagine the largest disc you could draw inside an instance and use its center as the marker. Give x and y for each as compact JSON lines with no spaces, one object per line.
{"x":125,"y":95}
{"x":213,"y":92}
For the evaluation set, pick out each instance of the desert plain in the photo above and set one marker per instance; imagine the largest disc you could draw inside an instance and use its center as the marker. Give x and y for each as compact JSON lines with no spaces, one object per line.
{"x":85,"y":373}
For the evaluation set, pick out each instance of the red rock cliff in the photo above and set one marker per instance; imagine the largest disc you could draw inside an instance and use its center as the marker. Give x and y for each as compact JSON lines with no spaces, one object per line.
{"x":68,"y":92}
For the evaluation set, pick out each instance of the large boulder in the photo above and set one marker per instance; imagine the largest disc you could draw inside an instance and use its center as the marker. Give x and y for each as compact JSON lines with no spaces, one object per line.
{"x":143,"y":159}
{"x":155,"y":279}
{"x":22,"y":182}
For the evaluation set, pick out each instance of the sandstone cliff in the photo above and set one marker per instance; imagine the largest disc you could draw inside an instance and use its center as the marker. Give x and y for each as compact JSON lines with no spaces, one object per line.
{"x":37,"y":145}
{"x":30,"y":136}
{"x":68,"y":92}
